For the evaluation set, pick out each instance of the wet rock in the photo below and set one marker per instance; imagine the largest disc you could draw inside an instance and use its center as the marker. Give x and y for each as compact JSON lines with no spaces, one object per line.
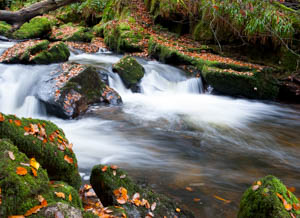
{"x":60,"y":210}
{"x":70,"y":90}
{"x":290,"y":88}
{"x":130,"y":71}
{"x":107,"y":183}
{"x":69,"y":32}
{"x":266,"y":198}
{"x":36,"y":52}
{"x":45,"y":142}
{"x":37,"y":27}
{"x":25,"y":192}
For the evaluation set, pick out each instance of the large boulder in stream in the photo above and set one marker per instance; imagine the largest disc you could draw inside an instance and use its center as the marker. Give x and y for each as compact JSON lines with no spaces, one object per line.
{"x":73,"y":88}
{"x":269,"y":198}
{"x":115,"y":188}
{"x":130,"y":71}
{"x":25,"y":187}
{"x":36,"y":52}
{"x":45,"y":142}
{"x":69,"y":32}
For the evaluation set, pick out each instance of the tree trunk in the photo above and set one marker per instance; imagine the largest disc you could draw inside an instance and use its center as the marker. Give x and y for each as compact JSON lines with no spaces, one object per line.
{"x":39,"y":8}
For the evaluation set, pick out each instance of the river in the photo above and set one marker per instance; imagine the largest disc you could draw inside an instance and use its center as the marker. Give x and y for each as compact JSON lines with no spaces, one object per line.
{"x":172,"y":135}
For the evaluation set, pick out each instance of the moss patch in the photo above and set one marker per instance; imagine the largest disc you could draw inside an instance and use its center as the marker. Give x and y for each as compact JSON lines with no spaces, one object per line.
{"x":130,"y":71}
{"x":50,"y":152}
{"x":37,"y":27}
{"x":264,"y":201}
{"x":5,"y":29}
{"x":20,"y":193}
{"x":69,"y":32}
{"x":104,"y":183}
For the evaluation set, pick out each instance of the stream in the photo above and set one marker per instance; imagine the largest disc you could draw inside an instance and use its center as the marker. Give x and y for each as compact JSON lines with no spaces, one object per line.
{"x":172,"y":134}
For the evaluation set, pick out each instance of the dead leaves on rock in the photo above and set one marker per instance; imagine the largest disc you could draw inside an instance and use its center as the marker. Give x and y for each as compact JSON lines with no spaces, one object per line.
{"x":121,"y":195}
{"x":68,"y":159}
{"x":36,"y":208}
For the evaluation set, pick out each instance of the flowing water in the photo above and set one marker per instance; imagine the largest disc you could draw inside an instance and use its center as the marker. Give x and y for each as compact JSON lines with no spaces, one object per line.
{"x":172,"y":134}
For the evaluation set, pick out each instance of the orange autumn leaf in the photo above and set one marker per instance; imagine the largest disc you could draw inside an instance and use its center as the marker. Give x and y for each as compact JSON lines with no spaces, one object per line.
{"x":10,"y":121}
{"x":18,"y":122}
{"x":70,"y":197}
{"x":104,"y":168}
{"x":34,"y":172}
{"x":33,"y":210}
{"x":197,"y":199}
{"x":1,"y":117}
{"x":68,"y":159}
{"x":296,"y":206}
{"x":21,"y":171}
{"x":288,"y":207}
{"x":16,"y":216}
{"x":291,"y":189}
{"x":60,"y":195}
{"x":44,"y":203}
{"x":222,"y":199}
{"x":188,"y":189}
{"x":27,"y":129}
{"x":34,"y":163}
{"x":178,"y":210}
{"x":114,"y":167}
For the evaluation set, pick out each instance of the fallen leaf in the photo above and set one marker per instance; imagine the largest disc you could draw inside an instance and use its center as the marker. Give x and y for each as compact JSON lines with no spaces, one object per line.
{"x":60,"y":195}
{"x":121,"y":201}
{"x":16,"y":216}
{"x":21,"y":171}
{"x":288,"y":207}
{"x":153,"y":206}
{"x":70,"y":197}
{"x":114,"y":167}
{"x":255,"y":187}
{"x":44,"y":203}
{"x":259,"y":183}
{"x":291,"y":189}
{"x":34,"y":163}
{"x":222,"y":199}
{"x":33,"y":210}
{"x":104,"y":168}
{"x":41,"y":198}
{"x":34,"y":172}
{"x":296,"y":206}
{"x":197,"y":199}
{"x":11,"y":155}
{"x":114,"y":172}
{"x":123,"y":176}
{"x":68,"y":159}
{"x":178,"y":210}
{"x":292,"y":215}
{"x":1,"y":117}
{"x":18,"y":122}
{"x":10,"y":121}
{"x":189,"y":189}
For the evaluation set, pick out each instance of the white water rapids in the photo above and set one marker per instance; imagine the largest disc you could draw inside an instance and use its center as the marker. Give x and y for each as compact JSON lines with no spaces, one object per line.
{"x":186,"y":137}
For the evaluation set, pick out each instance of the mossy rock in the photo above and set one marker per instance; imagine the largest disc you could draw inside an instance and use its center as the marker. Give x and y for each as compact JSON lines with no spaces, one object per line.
{"x":257,"y":85}
{"x":37,"y":27}
{"x":57,"y":52}
{"x":289,"y":60}
{"x":104,"y":184}
{"x":69,"y":32}
{"x":263,"y":201}
{"x":20,"y":193}
{"x":121,"y":38}
{"x":50,"y":151}
{"x":5,"y":29}
{"x":36,"y":52}
{"x":130,"y":71}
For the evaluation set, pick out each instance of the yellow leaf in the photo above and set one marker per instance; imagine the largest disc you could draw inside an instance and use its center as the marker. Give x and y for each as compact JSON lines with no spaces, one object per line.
{"x":222,"y":199}
{"x":178,"y":210}
{"x":70,"y":197}
{"x":60,"y":195}
{"x":34,"y":163}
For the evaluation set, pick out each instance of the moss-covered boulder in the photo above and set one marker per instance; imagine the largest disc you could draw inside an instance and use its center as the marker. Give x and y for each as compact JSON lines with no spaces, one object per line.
{"x":69,"y":32}
{"x":37,"y":27}
{"x":121,"y":37}
{"x":36,"y":52}
{"x":72,"y":88}
{"x":250,"y":84}
{"x":268,"y":198}
{"x":47,"y":143}
{"x":114,"y":187}
{"x":5,"y":29}
{"x":130,"y":71}
{"x":25,"y":186}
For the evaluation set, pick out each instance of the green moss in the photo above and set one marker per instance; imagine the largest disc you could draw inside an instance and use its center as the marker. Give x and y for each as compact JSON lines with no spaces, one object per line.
{"x":47,"y":154}
{"x":130,"y":71}
{"x":37,"y":27}
{"x":121,"y":38}
{"x":69,"y":32}
{"x":104,"y":183}
{"x":259,"y":86}
{"x":202,"y":32}
{"x":5,"y":29}
{"x":20,"y":192}
{"x":264,"y":201}
{"x":289,"y":60}
{"x":58,"y":52}
{"x":87,"y":83}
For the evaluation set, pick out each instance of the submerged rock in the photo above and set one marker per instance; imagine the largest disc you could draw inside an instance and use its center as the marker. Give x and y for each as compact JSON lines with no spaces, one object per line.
{"x":47,"y":143}
{"x":268,"y":198}
{"x":130,"y":71}
{"x":37,"y":27}
{"x":25,"y":186}
{"x":114,"y":187}
{"x":36,"y":52}
{"x":72,"y":88}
